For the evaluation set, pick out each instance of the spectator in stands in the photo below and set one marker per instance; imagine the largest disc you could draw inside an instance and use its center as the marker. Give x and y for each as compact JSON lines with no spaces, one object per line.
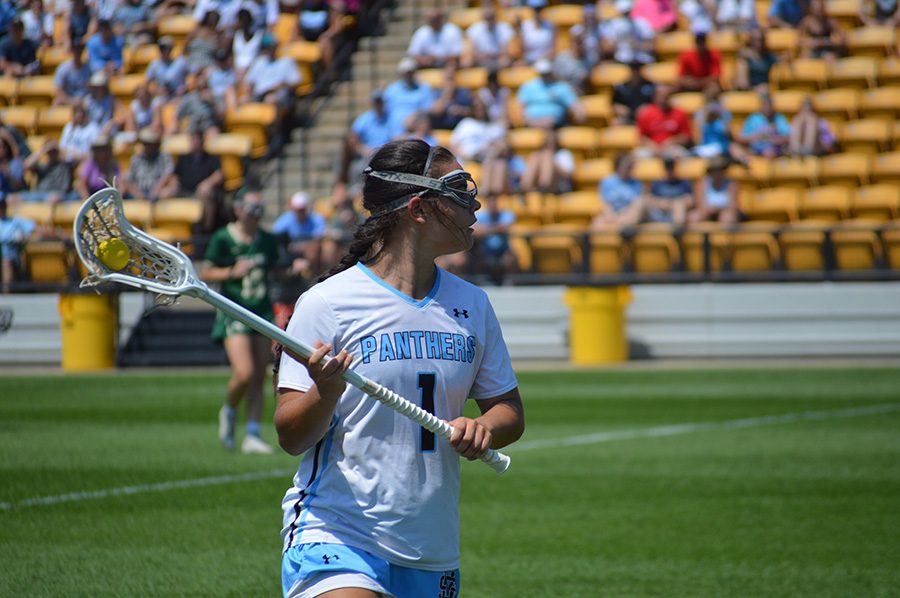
{"x":7,"y":16}
{"x":766,"y":132}
{"x":407,"y":95}
{"x":300,"y":231}
{"x":664,"y":129}
{"x":144,"y":111}
{"x":622,"y":196}
{"x":78,"y":135}
{"x":201,"y":43}
{"x":418,"y":126}
{"x":104,"y":49}
{"x":135,"y":22}
{"x":715,"y":133}
{"x":81,"y":21}
{"x":245,"y":45}
{"x":14,"y":233}
{"x":699,"y":69}
{"x":549,"y":169}
{"x":12,"y":169}
{"x":70,"y":82}
{"x":99,"y":170}
{"x":630,"y":96}
{"x":493,"y":254}
{"x":18,"y":54}
{"x":437,"y":42}
{"x":717,"y":196}
{"x":223,"y":81}
{"x":820,"y":34}
{"x":339,"y":233}
{"x":198,"y":108}
{"x":369,"y":131}
{"x":226,"y":11}
{"x":314,"y":19}
{"x":100,"y":104}
{"x":787,"y":13}
{"x":547,"y":102}
{"x":573,"y":66}
{"x":54,"y":176}
{"x":264,"y":13}
{"x":167,"y":72}
{"x":452,"y":104}
{"x":490,"y":41}
{"x":739,"y":15}
{"x":273,"y":80}
{"x":754,"y":63}
{"x":495,"y":98}
{"x":479,"y":139}
{"x":699,"y":13}
{"x":659,"y":14}
{"x":589,"y":34}
{"x":628,"y":39}
{"x":881,"y":13}
{"x":670,"y":197}
{"x":538,"y":37}
{"x":199,"y":174}
{"x":38,"y":24}
{"x":148,"y":170}
{"x":810,"y":133}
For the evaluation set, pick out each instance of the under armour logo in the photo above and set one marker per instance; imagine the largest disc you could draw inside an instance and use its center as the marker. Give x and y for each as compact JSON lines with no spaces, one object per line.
{"x":328,"y":558}
{"x":461,"y":312}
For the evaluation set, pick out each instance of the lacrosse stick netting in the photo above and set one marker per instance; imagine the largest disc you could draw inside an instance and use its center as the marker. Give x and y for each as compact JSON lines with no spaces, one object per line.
{"x":160,"y":268}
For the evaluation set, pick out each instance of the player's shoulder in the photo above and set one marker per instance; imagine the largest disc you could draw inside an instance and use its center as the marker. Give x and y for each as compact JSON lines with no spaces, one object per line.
{"x":453,"y":284}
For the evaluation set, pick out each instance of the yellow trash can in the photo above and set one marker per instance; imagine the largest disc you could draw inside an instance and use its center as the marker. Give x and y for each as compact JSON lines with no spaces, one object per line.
{"x":88,"y":325}
{"x":597,"y":324}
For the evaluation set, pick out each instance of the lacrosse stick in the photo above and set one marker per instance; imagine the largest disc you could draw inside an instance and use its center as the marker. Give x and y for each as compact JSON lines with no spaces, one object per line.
{"x":113,"y":250}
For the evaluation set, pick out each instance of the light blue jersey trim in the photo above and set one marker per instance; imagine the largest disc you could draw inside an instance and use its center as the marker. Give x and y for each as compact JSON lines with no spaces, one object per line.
{"x":420,"y":304}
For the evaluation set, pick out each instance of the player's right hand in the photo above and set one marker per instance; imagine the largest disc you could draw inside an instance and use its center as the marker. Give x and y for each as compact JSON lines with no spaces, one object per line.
{"x":327,"y":376}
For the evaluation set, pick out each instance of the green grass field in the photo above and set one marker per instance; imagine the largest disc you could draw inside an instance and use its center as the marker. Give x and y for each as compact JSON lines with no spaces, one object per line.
{"x":604,"y":497}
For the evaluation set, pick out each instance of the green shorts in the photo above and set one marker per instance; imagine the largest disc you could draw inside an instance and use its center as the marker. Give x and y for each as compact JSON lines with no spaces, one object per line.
{"x":226,"y":326}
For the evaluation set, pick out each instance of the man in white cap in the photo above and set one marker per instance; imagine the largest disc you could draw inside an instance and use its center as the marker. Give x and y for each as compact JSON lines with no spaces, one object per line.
{"x":407,"y":95}
{"x":548,"y":102}
{"x":300,"y":232}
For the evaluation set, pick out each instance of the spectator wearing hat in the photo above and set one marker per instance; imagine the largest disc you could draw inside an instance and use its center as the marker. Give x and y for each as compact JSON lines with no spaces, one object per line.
{"x":198,"y":109}
{"x":199,"y":174}
{"x":70,"y":81}
{"x":104,"y":49}
{"x":629,"y":97}
{"x":100,"y":104}
{"x":490,"y":40}
{"x":167,"y":72}
{"x":148,"y":170}
{"x":99,"y":170}
{"x":78,"y":135}
{"x":437,"y":42}
{"x":717,"y":196}
{"x":134,"y":20}
{"x":300,"y":232}
{"x":407,"y":95}
{"x":664,"y":129}
{"x":18,"y":54}
{"x":548,"y":102}
{"x":53,"y":174}
{"x":699,"y":69}
{"x":273,"y":80}
{"x":369,"y":131}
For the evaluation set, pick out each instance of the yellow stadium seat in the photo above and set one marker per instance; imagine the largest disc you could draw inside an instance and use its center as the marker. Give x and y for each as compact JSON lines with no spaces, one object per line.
{"x":122,"y":151}
{"x":856,"y":245}
{"x":890,"y":238}
{"x":51,"y":57}
{"x":843,"y":103}
{"x":727,"y":42}
{"x":877,"y":202}
{"x":857,"y":72}
{"x":895,"y":136}
{"x":176,"y":145}
{"x":691,"y":168}
{"x":886,"y":168}
{"x":514,"y":77}
{"x":47,"y":262}
{"x":39,"y":212}
{"x":434,"y":78}
{"x":232,"y":149}
{"x":301,"y":51}
{"x":606,"y":252}
{"x":35,"y":143}
{"x":597,"y":109}
{"x":873,"y":42}
{"x":577,"y":208}
{"x":36,"y":91}
{"x":848,"y":169}
{"x":178,"y":216}
{"x":753,"y":248}
{"x":253,"y":120}
{"x":581,"y":141}
{"x":794,"y":172}
{"x":8,"y":87}
{"x":138,"y":59}
{"x":889,"y":72}
{"x":802,"y":245}
{"x":442,"y":137}
{"x":829,"y":203}
{"x":525,"y":140}
{"x":783,"y":41}
{"x":618,"y":139}
{"x":845,"y":12}
{"x":23,"y":118}
{"x":868,"y":135}
{"x":882,"y":102}
{"x":518,"y":243}
{"x":563,"y":16}
{"x":788,"y":101}
{"x":606,"y":76}
{"x":556,"y":249}
{"x":654,"y":249}
{"x":138,"y":212}
{"x":515,"y":113}
{"x":510,"y":14}
{"x":661,"y":73}
{"x":123,"y":87}
{"x":64,"y":215}
{"x":776,"y":204}
{"x":177,"y":26}
{"x":648,"y":170}
{"x":694,"y":242}
{"x":807,"y":74}
{"x":589,"y":173}
{"x":472,"y":78}
{"x":688,"y":101}
{"x":741,"y":104}
{"x":466,"y":17}
{"x":53,"y":119}
{"x":670,"y":45}
{"x":285,"y":27}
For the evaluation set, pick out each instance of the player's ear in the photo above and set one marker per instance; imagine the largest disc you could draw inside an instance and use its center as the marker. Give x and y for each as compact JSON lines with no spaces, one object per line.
{"x":416,"y":209}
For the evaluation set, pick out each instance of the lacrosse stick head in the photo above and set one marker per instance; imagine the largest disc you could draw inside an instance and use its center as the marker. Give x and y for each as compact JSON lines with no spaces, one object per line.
{"x":113,"y":250}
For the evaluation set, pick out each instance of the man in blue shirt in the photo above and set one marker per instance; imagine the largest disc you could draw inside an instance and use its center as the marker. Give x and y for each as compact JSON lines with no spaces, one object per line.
{"x":766,"y":132}
{"x":492,"y":250}
{"x":622,"y":196}
{"x":548,"y":102}
{"x":369,"y":131}
{"x":406,"y":96}
{"x":787,"y":13}
{"x":18,"y":54}
{"x":14,"y":232}
{"x":105,"y":49}
{"x":70,"y":81}
{"x":300,"y":232}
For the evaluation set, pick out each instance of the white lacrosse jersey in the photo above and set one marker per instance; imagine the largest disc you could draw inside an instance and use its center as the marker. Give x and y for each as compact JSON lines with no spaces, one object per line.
{"x":377,"y":481}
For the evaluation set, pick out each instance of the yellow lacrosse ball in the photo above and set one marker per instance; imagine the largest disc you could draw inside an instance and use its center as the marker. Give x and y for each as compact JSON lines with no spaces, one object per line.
{"x":114,"y":253}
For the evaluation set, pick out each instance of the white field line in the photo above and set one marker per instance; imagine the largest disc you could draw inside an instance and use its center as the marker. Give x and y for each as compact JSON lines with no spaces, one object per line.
{"x":599,"y":437}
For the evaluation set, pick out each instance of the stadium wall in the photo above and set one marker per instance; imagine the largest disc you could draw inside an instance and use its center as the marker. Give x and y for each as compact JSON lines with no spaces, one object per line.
{"x":664,"y":321}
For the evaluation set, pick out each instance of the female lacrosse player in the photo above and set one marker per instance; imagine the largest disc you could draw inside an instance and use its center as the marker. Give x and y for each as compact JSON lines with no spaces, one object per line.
{"x":240,"y":256}
{"x":374,"y":506}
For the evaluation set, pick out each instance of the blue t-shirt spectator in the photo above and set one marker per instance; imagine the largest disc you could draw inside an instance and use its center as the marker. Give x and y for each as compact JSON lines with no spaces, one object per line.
{"x":541,"y":99}
{"x":290,"y":226}
{"x":7,"y":14}
{"x":495,"y":244}
{"x":758,"y":122}
{"x":171,"y":75}
{"x":374,"y":131}
{"x":14,"y":231}
{"x":402,"y":100}
{"x":100,"y":52}
{"x":619,"y":193}
{"x":789,"y":11}
{"x":72,"y":80}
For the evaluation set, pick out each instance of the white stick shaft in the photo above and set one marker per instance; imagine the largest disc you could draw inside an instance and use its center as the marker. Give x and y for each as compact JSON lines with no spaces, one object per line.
{"x":497,"y":460}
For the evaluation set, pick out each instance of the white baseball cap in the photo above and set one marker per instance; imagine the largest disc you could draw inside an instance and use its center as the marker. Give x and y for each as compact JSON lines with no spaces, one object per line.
{"x":543,"y":66}
{"x":299,"y":200}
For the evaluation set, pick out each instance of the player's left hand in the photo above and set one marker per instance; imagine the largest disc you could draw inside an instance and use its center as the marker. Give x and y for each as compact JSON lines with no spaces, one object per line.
{"x":470,"y":438}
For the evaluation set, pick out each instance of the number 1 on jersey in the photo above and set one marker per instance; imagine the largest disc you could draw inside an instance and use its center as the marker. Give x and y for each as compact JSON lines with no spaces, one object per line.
{"x":426,"y":393}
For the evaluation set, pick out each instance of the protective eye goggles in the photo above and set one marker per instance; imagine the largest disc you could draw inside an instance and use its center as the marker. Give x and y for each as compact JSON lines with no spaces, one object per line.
{"x":253,"y":210}
{"x":457,"y":185}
